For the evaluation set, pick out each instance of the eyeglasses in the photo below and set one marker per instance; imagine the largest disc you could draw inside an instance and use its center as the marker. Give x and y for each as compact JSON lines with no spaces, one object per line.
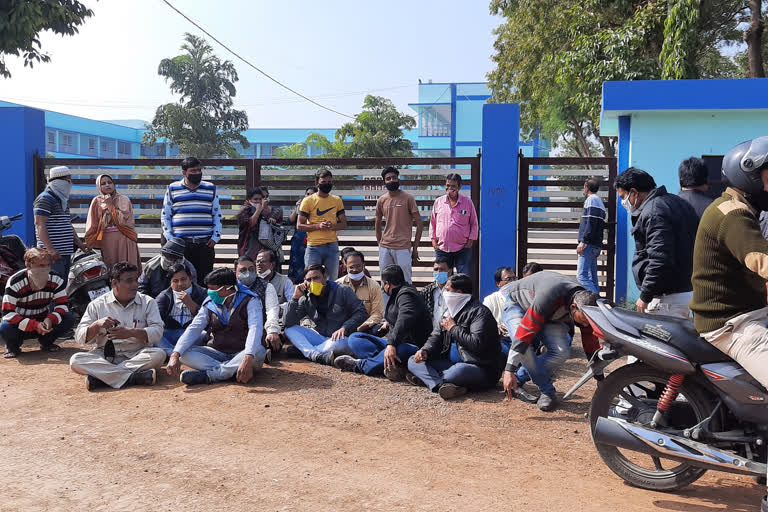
{"x":507,"y":279}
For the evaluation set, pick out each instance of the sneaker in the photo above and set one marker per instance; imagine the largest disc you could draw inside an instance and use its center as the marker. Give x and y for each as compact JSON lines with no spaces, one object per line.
{"x":324,"y":358}
{"x":92,"y":383}
{"x":50,"y":348}
{"x":395,"y":373}
{"x":547,"y":402}
{"x":346,"y":364}
{"x":11,"y":354}
{"x":525,"y":396}
{"x":448,"y":391}
{"x":143,"y":378}
{"x":414,"y":380}
{"x":193,"y":377}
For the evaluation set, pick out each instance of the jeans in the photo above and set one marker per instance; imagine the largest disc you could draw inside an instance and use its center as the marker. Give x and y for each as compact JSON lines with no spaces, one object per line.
{"x":436,"y":373}
{"x":369,"y":349}
{"x":586,"y":271}
{"x":296,"y":261}
{"x":461,"y":259}
{"x":170,"y":337}
{"x":311,"y":343}
{"x":14,"y":337}
{"x":399,"y":257}
{"x":327,"y":254}
{"x":201,"y":257}
{"x":61,"y":267}
{"x":220,"y":365}
{"x":554,"y":336}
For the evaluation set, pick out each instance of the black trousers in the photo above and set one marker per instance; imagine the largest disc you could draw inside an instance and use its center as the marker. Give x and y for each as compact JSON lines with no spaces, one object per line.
{"x":201,"y":257}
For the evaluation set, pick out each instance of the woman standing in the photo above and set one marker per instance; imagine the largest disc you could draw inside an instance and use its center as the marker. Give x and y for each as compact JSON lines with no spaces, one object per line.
{"x":110,"y":225}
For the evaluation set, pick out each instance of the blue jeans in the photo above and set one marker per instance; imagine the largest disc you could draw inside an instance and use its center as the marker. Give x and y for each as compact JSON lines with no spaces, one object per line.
{"x":311,"y":343}
{"x":61,"y":267}
{"x":14,"y":337}
{"x":170,"y":337}
{"x":586,"y":271}
{"x":461,"y":259}
{"x":220,"y":365}
{"x":554,"y":336}
{"x":327,"y":254}
{"x":436,"y":373}
{"x":369,"y":349}
{"x":296,"y":261}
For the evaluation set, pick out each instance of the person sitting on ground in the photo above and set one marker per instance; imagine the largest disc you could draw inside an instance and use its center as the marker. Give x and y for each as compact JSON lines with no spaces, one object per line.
{"x":124,"y":325}
{"x":407,"y":326}
{"x":532,"y":268}
{"x":495,"y":302}
{"x":433,"y":292}
{"x":232,"y":315}
{"x":365,"y":288}
{"x":544,"y":305}
{"x":154,"y":278}
{"x":335,"y":310}
{"x":463,"y":353}
{"x":266,"y":263}
{"x":34,"y":305}
{"x":178,"y":305}
{"x":247,"y":275}
{"x":342,"y":262}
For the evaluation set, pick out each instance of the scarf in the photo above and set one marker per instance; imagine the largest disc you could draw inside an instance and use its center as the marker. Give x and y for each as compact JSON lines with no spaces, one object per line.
{"x":109,"y":206}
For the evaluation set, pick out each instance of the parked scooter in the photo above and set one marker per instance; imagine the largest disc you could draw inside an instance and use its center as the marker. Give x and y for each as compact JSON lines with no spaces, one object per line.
{"x":88,"y":279}
{"x":683,"y":408}
{"x":12,"y":251}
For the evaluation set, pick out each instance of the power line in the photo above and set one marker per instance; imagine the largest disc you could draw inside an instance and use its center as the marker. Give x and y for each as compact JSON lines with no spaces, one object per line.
{"x":169,"y":4}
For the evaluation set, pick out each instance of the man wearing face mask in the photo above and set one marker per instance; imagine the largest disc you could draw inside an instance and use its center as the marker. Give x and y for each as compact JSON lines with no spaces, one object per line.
{"x":34,"y":305}
{"x":191,"y":211}
{"x":247,"y":275}
{"x":178,"y":305}
{"x":664,"y":228}
{"x":463,"y":353}
{"x":453,"y":226}
{"x":232,"y":315}
{"x":321,"y":215}
{"x":334,"y":309}
{"x":366,"y":289}
{"x":266,"y":262}
{"x":154,"y":277}
{"x":400,"y":209}
{"x":433,"y":292}
{"x":53,"y":223}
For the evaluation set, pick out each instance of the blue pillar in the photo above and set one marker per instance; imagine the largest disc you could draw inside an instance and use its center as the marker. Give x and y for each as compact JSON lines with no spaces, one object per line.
{"x":623,"y":269}
{"x":22,"y":134}
{"x":498,"y":191}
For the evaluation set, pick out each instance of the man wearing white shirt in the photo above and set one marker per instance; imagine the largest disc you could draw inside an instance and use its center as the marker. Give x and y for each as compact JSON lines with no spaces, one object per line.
{"x":247,"y":274}
{"x":432,"y":293}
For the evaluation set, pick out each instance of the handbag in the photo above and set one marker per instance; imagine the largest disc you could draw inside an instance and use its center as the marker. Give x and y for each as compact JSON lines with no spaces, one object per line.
{"x":271,"y":236}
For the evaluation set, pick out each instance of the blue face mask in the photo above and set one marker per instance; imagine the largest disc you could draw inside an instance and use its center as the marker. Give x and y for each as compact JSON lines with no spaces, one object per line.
{"x":215,"y":297}
{"x":440,"y":277}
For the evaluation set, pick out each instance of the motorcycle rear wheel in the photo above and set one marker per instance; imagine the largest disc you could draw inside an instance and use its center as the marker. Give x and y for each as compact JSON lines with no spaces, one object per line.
{"x":691,"y":407}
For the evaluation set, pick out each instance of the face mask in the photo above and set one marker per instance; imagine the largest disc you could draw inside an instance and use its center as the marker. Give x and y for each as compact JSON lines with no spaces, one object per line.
{"x":627,"y":205}
{"x":61,"y":188}
{"x":247,"y":278}
{"x":215,"y":297}
{"x":392,"y":185}
{"x":455,"y":301}
{"x":325,"y":187}
{"x":264,"y":274}
{"x":357,"y":277}
{"x":195,"y":179}
{"x":38,"y":277}
{"x":315,"y":288}
{"x":440,"y":277}
{"x":166,"y":263}
{"x":178,"y":294}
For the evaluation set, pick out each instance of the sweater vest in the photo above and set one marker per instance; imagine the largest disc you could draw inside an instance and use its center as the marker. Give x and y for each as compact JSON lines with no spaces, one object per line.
{"x":192,"y":210}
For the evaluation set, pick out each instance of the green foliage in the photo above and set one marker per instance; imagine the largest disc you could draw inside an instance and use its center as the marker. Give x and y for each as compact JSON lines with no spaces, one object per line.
{"x":298,"y":150}
{"x":377,"y":131}
{"x":678,"y":54}
{"x":21,"y":22}
{"x":202,"y":123}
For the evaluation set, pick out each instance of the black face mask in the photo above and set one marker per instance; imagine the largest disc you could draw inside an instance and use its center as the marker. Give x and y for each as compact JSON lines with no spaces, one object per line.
{"x":195,"y":179}
{"x":392,"y":185}
{"x":325,"y":187}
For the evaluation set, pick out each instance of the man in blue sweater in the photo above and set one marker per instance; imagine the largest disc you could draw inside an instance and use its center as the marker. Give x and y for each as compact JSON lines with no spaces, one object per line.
{"x":590,"y":236}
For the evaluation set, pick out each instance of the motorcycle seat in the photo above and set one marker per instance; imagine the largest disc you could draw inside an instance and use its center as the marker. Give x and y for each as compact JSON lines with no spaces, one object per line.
{"x":674,"y":331}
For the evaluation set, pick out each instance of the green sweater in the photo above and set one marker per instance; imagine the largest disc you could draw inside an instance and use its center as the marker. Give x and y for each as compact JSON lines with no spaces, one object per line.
{"x":730,"y":263}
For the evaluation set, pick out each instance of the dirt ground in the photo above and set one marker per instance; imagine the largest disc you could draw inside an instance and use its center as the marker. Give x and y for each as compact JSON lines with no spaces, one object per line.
{"x":307,"y":437}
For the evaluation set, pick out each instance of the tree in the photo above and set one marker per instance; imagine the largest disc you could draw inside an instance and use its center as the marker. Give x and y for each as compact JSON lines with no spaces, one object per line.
{"x":202,"y":123}
{"x":753,"y":36}
{"x":377,"y":131}
{"x":21,"y":22}
{"x":298,"y":150}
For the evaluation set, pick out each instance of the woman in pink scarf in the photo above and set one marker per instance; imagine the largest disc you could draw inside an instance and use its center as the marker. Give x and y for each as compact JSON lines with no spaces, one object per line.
{"x":110,"y":225}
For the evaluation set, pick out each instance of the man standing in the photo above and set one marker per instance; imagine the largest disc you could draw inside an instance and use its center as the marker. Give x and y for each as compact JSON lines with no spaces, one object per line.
{"x":694,"y":184}
{"x":321,"y":215}
{"x":453,"y":226}
{"x":365,"y":288}
{"x":433,"y":292}
{"x":591,"y":231}
{"x":664,"y":227}
{"x":406,"y":329}
{"x":191,"y":211}
{"x":335,"y":311}
{"x":34,"y":305}
{"x":53,"y":223}
{"x":124,"y":324}
{"x":154,"y":277}
{"x":400,"y":209}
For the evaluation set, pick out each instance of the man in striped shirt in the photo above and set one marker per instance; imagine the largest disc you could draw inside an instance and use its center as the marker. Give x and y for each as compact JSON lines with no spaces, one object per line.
{"x":34,"y":305}
{"x":191,"y":211}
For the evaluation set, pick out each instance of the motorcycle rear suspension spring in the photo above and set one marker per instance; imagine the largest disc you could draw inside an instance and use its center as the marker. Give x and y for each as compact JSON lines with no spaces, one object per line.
{"x":670,"y":393}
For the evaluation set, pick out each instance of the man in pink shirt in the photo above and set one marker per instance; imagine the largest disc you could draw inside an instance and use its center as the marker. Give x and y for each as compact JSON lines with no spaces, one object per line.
{"x":453,"y":226}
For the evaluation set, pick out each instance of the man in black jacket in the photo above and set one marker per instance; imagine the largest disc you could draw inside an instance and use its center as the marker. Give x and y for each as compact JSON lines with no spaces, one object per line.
{"x":664,"y":227}
{"x":433,"y":292}
{"x":694,"y":184}
{"x":178,"y":305}
{"x":407,"y":326}
{"x":463,"y":352}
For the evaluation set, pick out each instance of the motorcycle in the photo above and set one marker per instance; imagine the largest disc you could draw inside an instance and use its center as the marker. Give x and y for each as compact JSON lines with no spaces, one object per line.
{"x":12,"y":251}
{"x":683,"y":408}
{"x":88,"y":279}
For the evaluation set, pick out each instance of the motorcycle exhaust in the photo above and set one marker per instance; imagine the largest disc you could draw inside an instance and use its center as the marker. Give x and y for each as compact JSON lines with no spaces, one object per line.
{"x":619,"y":433}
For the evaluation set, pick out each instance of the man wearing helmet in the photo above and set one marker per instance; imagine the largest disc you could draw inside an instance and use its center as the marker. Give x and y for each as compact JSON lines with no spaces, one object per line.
{"x":730,"y":262}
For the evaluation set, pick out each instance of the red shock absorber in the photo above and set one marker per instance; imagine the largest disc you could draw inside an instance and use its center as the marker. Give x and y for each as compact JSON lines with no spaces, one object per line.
{"x":668,"y":396}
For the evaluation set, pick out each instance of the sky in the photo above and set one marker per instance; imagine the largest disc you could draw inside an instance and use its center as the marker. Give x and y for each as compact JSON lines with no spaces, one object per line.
{"x":335,"y":52}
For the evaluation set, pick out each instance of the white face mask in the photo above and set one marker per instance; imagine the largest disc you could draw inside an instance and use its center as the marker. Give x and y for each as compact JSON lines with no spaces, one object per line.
{"x":177,"y":294}
{"x":357,"y":277}
{"x":62,"y":188}
{"x":631,"y":208}
{"x":38,"y":277}
{"x":264,"y":274}
{"x":455,"y":301}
